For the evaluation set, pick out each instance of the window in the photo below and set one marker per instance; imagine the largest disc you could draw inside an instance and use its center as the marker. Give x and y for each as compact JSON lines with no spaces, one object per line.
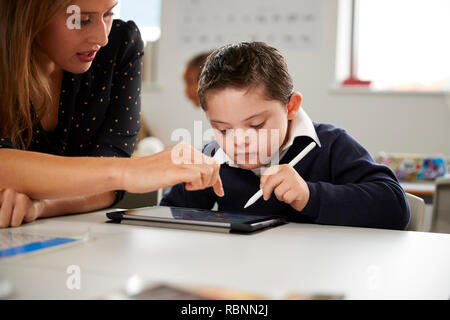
{"x":397,"y":44}
{"x":146,"y":14}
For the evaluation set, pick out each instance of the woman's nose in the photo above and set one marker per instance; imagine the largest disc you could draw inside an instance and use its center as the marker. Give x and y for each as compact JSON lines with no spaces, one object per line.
{"x":99,"y":35}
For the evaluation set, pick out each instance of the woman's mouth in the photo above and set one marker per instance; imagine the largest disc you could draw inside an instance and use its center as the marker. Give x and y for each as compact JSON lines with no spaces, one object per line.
{"x":87,"y":56}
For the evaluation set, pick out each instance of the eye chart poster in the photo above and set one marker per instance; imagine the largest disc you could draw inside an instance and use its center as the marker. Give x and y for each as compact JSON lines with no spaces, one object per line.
{"x":287,"y":24}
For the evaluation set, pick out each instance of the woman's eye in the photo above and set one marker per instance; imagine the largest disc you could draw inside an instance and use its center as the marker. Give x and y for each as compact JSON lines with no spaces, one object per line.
{"x":85,"y":22}
{"x":109,"y":14}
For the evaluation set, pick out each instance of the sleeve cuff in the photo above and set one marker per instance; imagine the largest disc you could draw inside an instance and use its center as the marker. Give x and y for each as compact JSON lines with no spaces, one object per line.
{"x":312,"y":207}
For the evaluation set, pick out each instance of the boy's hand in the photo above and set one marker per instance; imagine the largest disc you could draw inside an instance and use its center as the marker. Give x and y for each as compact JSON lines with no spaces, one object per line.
{"x":287,"y":184}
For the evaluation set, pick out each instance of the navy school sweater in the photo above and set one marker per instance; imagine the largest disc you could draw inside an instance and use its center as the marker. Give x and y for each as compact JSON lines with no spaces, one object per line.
{"x":347,"y":187}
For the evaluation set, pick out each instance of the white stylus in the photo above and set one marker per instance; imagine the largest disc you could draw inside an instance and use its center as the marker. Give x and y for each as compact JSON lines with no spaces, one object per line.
{"x":292,"y":163}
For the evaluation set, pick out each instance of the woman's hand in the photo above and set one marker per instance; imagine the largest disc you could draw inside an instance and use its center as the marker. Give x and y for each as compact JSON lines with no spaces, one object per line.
{"x":287,"y":184}
{"x":17,"y":208}
{"x":181,"y":163}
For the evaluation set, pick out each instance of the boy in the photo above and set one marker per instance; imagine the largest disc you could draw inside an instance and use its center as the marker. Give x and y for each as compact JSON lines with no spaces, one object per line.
{"x":246,"y":87}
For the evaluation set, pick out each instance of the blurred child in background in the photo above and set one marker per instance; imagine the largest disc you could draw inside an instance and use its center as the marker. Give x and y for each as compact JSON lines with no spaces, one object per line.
{"x":191,"y":76}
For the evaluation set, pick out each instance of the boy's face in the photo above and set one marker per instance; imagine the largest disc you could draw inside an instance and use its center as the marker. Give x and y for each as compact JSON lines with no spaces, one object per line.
{"x":249,"y":127}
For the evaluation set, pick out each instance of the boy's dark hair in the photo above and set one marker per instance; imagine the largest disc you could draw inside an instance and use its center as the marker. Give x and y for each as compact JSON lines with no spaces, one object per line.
{"x":246,"y":65}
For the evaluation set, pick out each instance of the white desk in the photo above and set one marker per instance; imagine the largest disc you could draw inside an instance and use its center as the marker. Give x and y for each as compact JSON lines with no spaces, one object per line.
{"x":357,"y":262}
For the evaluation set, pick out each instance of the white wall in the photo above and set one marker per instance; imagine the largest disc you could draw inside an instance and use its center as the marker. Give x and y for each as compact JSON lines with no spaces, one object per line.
{"x":416,"y":123}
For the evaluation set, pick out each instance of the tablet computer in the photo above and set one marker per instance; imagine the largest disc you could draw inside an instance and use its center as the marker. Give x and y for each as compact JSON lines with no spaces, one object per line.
{"x":194,"y":219}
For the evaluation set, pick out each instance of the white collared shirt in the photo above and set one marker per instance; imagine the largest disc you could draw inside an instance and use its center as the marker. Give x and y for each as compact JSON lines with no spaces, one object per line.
{"x":300,"y":126}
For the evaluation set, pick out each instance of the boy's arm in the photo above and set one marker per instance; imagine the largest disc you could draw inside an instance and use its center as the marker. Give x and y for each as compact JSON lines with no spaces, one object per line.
{"x":178,"y":196}
{"x":361,"y":192}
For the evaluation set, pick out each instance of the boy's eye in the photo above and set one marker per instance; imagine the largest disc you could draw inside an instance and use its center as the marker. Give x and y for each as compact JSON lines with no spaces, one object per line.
{"x":222,"y":131}
{"x":258,"y":126}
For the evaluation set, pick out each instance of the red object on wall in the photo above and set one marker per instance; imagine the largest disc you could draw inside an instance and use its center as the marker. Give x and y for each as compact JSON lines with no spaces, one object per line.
{"x":351,"y":81}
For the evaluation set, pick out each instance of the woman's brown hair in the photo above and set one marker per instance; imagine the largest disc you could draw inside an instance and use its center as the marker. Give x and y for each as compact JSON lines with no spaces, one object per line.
{"x":20,"y":75}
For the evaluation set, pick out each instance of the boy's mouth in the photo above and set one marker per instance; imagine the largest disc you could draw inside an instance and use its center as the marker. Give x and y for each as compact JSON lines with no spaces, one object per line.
{"x":246,"y":158}
{"x":245,"y":154}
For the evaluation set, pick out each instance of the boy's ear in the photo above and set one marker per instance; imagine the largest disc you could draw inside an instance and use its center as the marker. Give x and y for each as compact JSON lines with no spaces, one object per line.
{"x":294,"y":105}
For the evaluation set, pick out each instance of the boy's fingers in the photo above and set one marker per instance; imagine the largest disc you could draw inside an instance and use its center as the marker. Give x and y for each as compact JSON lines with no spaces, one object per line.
{"x":290,"y":196}
{"x":281,"y":190}
{"x":263,"y":180}
{"x":271,"y":183}
{"x":271,"y":171}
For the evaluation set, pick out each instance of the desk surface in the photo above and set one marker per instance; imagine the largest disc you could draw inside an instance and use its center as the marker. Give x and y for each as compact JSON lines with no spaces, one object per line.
{"x":420,"y":189}
{"x":359,"y":263}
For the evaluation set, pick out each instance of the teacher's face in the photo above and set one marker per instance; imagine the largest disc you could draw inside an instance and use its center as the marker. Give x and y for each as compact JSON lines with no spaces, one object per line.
{"x":73,"y":47}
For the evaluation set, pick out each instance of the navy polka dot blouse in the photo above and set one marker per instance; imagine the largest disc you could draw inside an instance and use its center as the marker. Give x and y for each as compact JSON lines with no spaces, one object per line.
{"x":99,"y":110}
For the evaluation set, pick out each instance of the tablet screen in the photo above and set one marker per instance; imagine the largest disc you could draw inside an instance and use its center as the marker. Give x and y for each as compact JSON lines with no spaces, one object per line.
{"x":193,"y":214}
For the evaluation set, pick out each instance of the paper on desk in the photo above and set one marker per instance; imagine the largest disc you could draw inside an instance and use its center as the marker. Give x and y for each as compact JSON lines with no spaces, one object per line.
{"x":13,"y":243}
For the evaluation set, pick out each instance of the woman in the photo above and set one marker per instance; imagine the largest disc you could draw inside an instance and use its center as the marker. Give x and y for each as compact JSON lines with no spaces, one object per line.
{"x":70,"y":113}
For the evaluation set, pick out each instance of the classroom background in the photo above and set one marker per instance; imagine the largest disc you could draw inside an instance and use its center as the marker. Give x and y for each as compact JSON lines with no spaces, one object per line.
{"x":380,"y":70}
{"x":411,"y":120}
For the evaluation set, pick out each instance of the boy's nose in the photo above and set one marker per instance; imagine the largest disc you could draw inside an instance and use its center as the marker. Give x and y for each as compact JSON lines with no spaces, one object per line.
{"x":241,"y":140}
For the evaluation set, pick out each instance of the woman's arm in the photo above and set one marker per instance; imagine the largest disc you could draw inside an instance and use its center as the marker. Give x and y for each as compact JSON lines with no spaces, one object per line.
{"x":18,"y":208}
{"x":59,"y":207}
{"x":61,"y":185}
{"x":42,"y":176}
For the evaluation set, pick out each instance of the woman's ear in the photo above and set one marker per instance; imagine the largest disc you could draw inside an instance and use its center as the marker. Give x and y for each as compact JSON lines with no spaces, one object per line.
{"x":294,"y":105}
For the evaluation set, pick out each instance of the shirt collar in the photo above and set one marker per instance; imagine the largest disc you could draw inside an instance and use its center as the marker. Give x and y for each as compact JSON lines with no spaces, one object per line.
{"x":301,"y":125}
